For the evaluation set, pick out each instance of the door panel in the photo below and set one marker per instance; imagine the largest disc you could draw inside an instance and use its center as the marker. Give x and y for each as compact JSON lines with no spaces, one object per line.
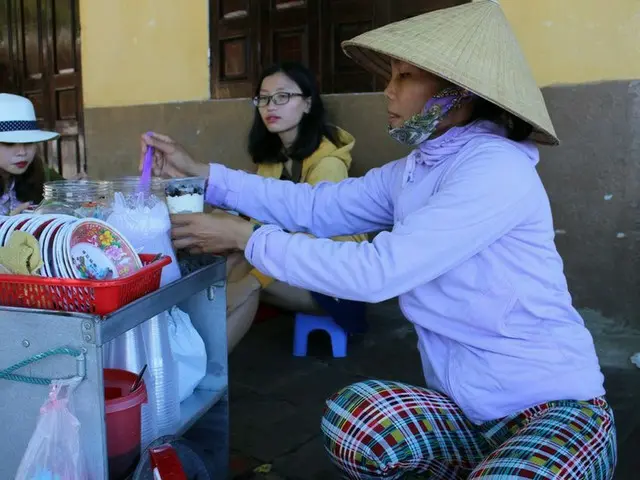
{"x":343,"y":20}
{"x":290,"y":32}
{"x":233,"y":42}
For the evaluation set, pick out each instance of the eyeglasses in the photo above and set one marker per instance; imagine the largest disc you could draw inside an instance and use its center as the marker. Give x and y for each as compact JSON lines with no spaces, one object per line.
{"x":280,"y":98}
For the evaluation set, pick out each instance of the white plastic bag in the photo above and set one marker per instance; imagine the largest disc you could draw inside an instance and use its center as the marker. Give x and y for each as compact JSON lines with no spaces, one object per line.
{"x":54,"y":451}
{"x":144,"y":220}
{"x":188,"y":350}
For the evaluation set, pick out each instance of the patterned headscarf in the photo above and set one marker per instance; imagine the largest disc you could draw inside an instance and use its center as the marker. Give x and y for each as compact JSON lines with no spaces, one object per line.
{"x":421,"y":127}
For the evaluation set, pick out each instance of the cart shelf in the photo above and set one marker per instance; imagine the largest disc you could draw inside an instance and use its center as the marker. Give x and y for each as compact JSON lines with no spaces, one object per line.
{"x":200,"y":293}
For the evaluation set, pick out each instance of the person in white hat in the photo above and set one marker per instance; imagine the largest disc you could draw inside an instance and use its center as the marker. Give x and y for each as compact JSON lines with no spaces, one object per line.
{"x":22,"y":172}
{"x":514,"y":386}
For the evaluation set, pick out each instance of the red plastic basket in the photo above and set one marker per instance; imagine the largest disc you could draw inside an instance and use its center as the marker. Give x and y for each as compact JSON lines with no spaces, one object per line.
{"x":83,"y":296}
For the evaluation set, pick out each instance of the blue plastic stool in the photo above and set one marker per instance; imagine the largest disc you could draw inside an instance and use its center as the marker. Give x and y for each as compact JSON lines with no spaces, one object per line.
{"x":305,"y":324}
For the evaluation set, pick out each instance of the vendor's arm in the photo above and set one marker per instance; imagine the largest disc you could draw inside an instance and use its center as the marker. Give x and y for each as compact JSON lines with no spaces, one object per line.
{"x":332,"y":169}
{"x":329,"y":169}
{"x":481,"y":201}
{"x":326,"y":210}
{"x":355,"y":205}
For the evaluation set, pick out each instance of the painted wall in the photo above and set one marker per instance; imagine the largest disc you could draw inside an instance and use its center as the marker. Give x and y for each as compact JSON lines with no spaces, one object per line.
{"x":144,"y":51}
{"x":578,"y":41}
{"x":156,"y":51}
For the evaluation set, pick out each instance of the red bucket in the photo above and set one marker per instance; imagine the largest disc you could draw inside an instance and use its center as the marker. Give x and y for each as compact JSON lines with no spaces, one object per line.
{"x":123,"y":419}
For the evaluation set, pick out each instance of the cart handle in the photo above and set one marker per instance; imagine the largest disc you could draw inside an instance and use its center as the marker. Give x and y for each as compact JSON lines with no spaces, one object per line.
{"x":81,"y":367}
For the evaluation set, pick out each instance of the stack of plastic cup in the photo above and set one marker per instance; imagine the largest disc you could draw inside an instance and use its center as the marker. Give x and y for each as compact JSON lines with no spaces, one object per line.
{"x":162,"y":376}
{"x":127,"y":352}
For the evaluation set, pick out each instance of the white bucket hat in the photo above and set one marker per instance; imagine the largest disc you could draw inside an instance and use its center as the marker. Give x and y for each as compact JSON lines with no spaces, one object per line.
{"x":18,"y":122}
{"x":472,"y":46}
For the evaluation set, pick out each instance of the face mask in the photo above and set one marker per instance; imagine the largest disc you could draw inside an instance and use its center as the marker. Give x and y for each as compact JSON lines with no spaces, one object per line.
{"x":421,"y":127}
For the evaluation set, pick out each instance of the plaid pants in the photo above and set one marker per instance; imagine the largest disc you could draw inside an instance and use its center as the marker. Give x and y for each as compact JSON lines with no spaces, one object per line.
{"x":389,"y":430}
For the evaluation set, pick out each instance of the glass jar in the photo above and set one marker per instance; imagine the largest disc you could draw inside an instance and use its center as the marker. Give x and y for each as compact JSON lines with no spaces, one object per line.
{"x":129,"y":191}
{"x":142,"y":216}
{"x":79,"y":198}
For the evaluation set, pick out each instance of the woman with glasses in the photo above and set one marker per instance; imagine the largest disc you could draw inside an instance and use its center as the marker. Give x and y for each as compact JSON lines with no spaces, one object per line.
{"x":290,"y":140}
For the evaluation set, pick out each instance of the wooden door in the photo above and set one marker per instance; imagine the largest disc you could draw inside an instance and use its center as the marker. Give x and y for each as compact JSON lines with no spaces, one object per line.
{"x":249,"y":35}
{"x":40,"y":48}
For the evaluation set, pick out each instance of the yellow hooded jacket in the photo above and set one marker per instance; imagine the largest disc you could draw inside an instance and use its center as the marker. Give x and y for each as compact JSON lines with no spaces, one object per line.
{"x":329,"y":163}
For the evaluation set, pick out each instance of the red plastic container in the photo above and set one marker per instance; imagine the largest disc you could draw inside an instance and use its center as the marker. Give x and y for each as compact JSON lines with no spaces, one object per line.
{"x":83,"y":296}
{"x":165,"y":461}
{"x":123,"y":419}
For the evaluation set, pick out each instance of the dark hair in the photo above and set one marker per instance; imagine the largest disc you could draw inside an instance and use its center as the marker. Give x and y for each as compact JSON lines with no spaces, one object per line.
{"x":517,"y":129}
{"x":28,"y":186}
{"x":266,"y":147}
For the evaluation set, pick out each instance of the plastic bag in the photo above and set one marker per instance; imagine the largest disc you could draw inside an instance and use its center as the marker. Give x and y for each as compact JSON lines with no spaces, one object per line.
{"x":188,"y":350}
{"x":54,"y":451}
{"x":144,"y":220}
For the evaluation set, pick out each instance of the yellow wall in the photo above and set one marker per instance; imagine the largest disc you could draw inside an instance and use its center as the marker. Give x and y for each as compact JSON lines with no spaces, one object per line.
{"x":156,"y":51}
{"x":144,"y":51}
{"x":578,"y":41}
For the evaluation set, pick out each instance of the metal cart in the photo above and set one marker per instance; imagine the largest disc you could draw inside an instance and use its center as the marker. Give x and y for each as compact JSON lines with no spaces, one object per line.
{"x":200,"y":293}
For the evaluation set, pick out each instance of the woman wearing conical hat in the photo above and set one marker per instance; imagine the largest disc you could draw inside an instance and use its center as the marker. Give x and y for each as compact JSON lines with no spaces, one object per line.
{"x":513,"y":385}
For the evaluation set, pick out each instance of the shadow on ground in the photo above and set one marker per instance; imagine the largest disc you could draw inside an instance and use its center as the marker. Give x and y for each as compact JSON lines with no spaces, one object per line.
{"x":277,"y":400}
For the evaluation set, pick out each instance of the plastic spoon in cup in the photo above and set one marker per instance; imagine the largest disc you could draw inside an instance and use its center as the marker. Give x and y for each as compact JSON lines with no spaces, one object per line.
{"x":147,"y":167}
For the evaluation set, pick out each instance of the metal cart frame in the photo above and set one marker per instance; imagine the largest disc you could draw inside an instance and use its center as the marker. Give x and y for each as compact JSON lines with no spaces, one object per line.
{"x":202,"y":294}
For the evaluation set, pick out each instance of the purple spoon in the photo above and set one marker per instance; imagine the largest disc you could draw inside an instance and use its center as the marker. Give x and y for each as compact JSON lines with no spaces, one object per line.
{"x":147,"y":166}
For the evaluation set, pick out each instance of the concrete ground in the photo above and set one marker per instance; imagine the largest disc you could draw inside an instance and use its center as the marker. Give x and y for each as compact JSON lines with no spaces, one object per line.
{"x":276,"y":400}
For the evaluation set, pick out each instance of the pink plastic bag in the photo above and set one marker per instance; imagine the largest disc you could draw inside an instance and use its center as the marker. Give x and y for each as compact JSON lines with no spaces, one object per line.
{"x":54,"y":451}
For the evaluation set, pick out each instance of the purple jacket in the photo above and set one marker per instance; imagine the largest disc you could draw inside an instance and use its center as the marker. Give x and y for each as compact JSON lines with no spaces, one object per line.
{"x":470,"y":252}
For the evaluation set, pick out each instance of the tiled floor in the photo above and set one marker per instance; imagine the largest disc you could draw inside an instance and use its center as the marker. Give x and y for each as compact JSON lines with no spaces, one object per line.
{"x":276,"y":399}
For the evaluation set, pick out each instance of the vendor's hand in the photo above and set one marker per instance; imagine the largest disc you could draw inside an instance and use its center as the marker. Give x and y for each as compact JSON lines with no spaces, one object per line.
{"x":240,"y":291}
{"x":216,"y":232}
{"x":170,"y":160}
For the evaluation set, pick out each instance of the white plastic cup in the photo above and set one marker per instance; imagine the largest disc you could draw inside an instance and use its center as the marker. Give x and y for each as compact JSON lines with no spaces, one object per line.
{"x":185,"y":195}
{"x":163,"y":376}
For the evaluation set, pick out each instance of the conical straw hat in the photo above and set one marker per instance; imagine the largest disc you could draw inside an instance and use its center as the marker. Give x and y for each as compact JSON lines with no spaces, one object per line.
{"x":472,"y":46}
